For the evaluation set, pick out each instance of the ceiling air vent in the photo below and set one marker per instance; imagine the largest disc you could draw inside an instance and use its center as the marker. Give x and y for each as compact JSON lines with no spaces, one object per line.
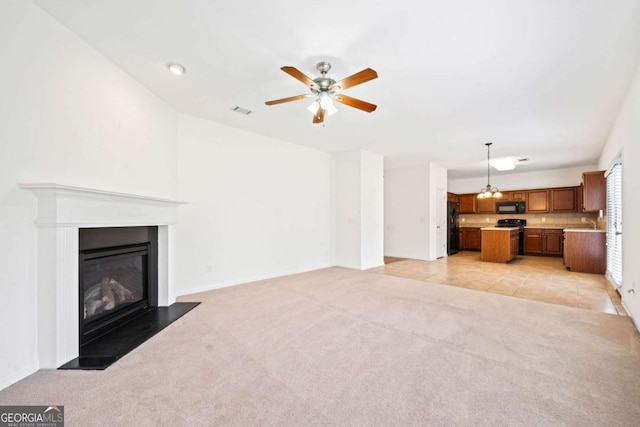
{"x":241,"y":110}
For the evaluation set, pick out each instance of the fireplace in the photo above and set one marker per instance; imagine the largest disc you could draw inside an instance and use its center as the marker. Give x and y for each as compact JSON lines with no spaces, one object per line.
{"x":116,"y":277}
{"x":62,"y":211}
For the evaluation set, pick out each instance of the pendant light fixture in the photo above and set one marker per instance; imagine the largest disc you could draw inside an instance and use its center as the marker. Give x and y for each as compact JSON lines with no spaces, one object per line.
{"x":489,"y":191}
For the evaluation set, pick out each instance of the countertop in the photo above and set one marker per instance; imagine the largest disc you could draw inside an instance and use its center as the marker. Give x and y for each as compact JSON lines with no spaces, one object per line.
{"x":584,"y":230}
{"x":499,"y":228}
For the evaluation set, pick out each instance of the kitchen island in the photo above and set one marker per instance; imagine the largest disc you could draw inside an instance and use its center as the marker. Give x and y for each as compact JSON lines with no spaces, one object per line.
{"x":499,"y":244}
{"x":585,"y":250}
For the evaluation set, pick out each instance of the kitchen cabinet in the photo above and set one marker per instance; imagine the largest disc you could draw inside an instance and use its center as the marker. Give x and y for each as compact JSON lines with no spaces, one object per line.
{"x":515,"y":243}
{"x":543,"y":241}
{"x":594,"y":191}
{"x":552,"y":242}
{"x":585,"y":251}
{"x":537,"y":201}
{"x":467,"y":203}
{"x":564,"y":199}
{"x":470,"y":238}
{"x":532,"y":241}
{"x":517,"y":196}
{"x":499,"y":244}
{"x":452,"y":197}
{"x":486,"y":206}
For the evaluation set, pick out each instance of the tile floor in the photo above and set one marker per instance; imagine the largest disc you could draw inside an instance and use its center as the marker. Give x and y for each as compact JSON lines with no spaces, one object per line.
{"x":529,"y":277}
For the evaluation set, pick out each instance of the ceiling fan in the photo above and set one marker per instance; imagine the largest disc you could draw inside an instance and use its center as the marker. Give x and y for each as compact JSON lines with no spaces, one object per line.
{"x":325,"y":90}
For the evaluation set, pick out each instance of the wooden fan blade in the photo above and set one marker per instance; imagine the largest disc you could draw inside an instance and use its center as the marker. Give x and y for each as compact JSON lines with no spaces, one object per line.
{"x":356,"y":79}
{"x":291,"y":98}
{"x":319,"y":117}
{"x":297,"y":74}
{"x":356,"y":103}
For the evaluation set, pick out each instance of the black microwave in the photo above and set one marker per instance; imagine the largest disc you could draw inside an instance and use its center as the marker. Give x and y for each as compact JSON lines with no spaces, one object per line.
{"x":510,"y":207}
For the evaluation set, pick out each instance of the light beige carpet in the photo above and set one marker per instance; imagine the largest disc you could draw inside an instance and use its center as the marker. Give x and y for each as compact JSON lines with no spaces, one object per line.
{"x":342,"y":347}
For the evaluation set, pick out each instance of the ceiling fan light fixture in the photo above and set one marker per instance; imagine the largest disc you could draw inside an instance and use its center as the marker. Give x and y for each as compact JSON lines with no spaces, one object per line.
{"x":315,"y":105}
{"x":323,"y":88}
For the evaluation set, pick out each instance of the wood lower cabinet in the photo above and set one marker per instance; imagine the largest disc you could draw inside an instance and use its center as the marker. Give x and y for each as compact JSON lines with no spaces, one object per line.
{"x":552,"y":242}
{"x":467,"y":203}
{"x":585,"y":251}
{"x":470,"y":238}
{"x":537,"y":201}
{"x":594,"y":191}
{"x":543,"y":241}
{"x":532,"y":241}
{"x":499,"y":245}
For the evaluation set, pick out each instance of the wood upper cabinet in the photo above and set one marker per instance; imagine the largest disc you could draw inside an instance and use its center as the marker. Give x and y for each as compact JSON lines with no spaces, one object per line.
{"x":486,"y":206}
{"x":467,"y":203}
{"x":452,"y":197}
{"x":564,"y":199}
{"x":537,"y":201}
{"x":517,"y":196}
{"x":594,"y":191}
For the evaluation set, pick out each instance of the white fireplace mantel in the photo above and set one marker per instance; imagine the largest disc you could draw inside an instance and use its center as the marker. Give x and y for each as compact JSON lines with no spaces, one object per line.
{"x":62,"y":211}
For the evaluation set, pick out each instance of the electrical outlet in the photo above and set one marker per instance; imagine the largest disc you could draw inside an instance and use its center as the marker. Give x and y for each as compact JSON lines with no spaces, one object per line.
{"x":462,"y":219}
{"x":583,"y":219}
{"x":544,"y":219}
{"x":486,"y":220}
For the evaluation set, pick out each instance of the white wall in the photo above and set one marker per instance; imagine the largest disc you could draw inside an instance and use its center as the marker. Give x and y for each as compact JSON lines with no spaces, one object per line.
{"x":437,"y":211}
{"x":372,"y":208}
{"x":566,"y":177}
{"x":406,"y":212}
{"x":411,"y":210}
{"x":625,"y":137}
{"x":348,"y":209}
{"x":257,"y":207}
{"x":359,"y":209}
{"x":67,"y":115}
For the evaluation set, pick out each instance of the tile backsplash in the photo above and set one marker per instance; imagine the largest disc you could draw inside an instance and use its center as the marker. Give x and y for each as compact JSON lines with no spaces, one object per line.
{"x":559,"y":220}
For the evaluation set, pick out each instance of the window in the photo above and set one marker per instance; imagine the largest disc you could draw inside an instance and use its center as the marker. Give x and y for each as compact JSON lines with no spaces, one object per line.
{"x":614,"y":224}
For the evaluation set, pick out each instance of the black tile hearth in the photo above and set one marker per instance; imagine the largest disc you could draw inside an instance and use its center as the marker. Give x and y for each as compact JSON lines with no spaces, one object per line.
{"x":103,"y":351}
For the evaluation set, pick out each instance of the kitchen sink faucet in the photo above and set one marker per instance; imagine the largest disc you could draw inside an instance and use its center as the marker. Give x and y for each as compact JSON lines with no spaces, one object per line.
{"x":594,"y":224}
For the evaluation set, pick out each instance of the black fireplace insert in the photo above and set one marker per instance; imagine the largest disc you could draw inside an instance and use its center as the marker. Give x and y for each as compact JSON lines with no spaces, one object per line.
{"x":118,"y":277}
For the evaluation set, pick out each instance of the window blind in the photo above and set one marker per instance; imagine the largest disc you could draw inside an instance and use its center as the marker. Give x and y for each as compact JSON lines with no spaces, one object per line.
{"x":614,"y":225}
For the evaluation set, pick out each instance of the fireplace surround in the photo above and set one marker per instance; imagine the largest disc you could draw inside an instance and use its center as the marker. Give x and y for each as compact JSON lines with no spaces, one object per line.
{"x":61,"y":212}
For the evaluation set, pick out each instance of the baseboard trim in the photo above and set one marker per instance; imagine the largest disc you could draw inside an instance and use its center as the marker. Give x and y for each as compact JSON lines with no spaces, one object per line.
{"x":630,"y":314}
{"x":18,"y":375}
{"x":245,"y":280}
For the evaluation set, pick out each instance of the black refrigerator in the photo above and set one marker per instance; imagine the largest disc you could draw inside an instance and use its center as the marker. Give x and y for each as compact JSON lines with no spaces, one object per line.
{"x":453,"y":232}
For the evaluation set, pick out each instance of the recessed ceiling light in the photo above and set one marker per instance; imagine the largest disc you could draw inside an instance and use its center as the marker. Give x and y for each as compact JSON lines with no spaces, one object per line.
{"x":176,"y":69}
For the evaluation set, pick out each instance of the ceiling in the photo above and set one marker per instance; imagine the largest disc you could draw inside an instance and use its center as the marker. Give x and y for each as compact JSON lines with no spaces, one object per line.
{"x":540,"y":79}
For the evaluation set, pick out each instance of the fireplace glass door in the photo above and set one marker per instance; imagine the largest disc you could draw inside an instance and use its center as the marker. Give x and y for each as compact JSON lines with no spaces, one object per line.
{"x":113,"y":284}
